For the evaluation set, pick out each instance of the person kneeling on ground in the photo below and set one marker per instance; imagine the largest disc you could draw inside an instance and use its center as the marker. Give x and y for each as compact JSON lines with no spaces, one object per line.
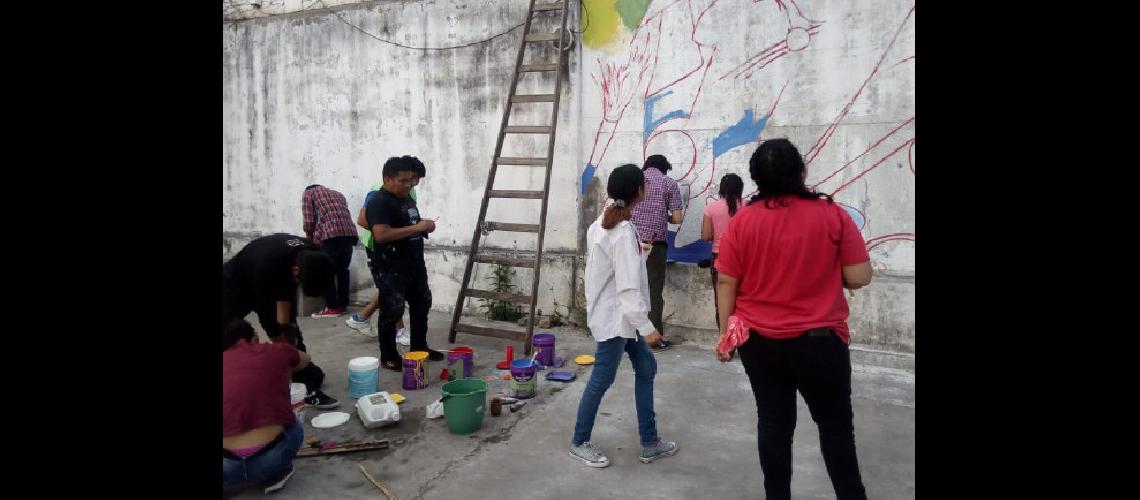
{"x":260,"y":433}
{"x":617,"y":312}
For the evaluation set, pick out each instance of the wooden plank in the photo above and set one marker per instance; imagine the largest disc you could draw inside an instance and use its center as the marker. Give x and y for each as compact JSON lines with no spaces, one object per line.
{"x":506,"y":261}
{"x":533,"y":98}
{"x":524,"y":195}
{"x":511,"y":226}
{"x":539,"y":7}
{"x":527,"y":129}
{"x":516,"y":335}
{"x":504,"y":296}
{"x":531,"y":68}
{"x":514,"y":160}
{"x":344,"y":448}
{"x":543,"y":37}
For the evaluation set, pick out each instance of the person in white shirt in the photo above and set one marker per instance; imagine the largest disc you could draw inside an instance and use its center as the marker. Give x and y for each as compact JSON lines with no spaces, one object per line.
{"x":617,"y":312}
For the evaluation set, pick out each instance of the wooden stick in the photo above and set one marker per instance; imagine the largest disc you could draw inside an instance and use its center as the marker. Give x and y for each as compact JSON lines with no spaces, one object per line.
{"x":376,"y":483}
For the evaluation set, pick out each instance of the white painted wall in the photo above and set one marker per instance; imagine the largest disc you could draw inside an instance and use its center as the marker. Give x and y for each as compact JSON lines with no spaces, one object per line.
{"x":310,"y":99}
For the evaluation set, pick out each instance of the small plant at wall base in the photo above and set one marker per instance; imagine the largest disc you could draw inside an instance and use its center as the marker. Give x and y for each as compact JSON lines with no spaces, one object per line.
{"x":502,"y":280}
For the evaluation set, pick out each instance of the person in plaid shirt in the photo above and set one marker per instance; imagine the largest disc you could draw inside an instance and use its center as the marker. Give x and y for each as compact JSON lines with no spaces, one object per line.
{"x":328,"y":223}
{"x":661,"y":206}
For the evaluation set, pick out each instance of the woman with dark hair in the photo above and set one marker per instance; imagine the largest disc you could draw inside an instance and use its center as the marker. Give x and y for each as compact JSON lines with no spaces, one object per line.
{"x":617,"y":312}
{"x":260,"y":433}
{"x":717,"y":215}
{"x":783,"y":263}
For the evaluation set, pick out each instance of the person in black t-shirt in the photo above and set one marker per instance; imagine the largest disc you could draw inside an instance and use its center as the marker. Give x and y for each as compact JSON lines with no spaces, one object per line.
{"x":263,"y":278}
{"x":398,"y":269}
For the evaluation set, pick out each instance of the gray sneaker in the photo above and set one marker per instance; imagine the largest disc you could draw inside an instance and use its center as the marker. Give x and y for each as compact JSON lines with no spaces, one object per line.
{"x":587,"y":454}
{"x":663,"y":449}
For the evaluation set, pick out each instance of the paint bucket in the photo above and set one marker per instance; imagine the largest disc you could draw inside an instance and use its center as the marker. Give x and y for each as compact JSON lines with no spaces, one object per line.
{"x":415,"y":370}
{"x":544,"y":344}
{"x":460,"y":362}
{"x":464,"y":404}
{"x":297,"y":393}
{"x":363,"y":376}
{"x":524,"y":385}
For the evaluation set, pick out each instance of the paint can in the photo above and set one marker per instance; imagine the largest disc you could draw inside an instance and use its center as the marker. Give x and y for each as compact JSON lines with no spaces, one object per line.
{"x":544,"y":344}
{"x":415,"y":370}
{"x":524,"y":384}
{"x":363,"y":376}
{"x":460,"y":362}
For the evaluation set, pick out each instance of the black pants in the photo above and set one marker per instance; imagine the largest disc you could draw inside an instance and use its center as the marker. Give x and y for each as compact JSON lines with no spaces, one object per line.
{"x":655,"y":269}
{"x":817,"y":364}
{"x":340,"y":249}
{"x":395,"y":289}
{"x":237,"y":304}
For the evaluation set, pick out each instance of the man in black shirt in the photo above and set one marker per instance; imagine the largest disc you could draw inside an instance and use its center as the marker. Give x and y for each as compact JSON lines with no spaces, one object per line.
{"x":263,"y":278}
{"x":398,"y":267}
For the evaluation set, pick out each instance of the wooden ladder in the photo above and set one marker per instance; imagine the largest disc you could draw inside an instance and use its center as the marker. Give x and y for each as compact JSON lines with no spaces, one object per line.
{"x":530,"y":259}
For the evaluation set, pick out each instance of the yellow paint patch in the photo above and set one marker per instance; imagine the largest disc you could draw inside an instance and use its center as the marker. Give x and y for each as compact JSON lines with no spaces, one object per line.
{"x":602,"y":23}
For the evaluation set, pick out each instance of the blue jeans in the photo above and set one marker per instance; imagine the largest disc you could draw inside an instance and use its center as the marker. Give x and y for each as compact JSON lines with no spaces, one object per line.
{"x":268,"y":466}
{"x":606,"y":361}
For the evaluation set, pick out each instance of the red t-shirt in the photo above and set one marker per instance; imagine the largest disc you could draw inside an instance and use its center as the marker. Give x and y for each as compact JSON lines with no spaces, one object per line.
{"x":255,"y":386}
{"x":788,"y":261}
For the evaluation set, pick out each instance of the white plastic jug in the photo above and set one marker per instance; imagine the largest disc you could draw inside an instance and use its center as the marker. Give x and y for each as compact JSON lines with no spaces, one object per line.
{"x":297,"y":393}
{"x":377,"y":409}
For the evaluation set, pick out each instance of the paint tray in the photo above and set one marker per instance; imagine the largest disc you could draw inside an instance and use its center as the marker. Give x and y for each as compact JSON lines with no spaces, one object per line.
{"x":561,"y":376}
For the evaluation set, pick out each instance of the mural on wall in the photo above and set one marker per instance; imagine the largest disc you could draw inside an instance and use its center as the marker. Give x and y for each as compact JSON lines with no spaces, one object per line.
{"x":666,"y":58}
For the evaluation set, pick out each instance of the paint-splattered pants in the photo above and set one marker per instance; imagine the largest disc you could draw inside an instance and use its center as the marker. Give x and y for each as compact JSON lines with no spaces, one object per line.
{"x":395,"y":289}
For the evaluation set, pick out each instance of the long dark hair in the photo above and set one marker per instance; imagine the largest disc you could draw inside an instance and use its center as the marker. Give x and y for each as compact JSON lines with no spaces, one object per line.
{"x":731,"y":190}
{"x":778,"y":171}
{"x":623,"y":186}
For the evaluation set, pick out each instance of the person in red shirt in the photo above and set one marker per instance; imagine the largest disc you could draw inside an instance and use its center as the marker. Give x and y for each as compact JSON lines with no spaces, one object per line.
{"x":783,"y":264}
{"x":260,"y":433}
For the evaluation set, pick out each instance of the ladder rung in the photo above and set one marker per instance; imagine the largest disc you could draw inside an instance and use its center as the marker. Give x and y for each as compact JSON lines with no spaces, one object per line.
{"x":501,"y":333}
{"x":506,"y":261}
{"x":528,"y":195}
{"x":527,"y":129}
{"x":508,"y":160}
{"x":539,"y":7}
{"x":504,"y":296}
{"x":511,"y":226}
{"x":542,"y":37}
{"x":532,"y":98}
{"x":537,"y":67}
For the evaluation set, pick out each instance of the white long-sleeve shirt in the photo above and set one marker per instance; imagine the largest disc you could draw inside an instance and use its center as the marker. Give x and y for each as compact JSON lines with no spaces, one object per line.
{"x":617,"y":286}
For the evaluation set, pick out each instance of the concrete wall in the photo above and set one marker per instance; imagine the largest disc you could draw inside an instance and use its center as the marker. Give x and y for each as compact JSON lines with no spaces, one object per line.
{"x":309,"y":98}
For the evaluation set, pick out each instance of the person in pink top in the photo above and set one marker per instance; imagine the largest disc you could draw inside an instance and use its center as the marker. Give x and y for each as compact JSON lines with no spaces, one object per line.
{"x":717,"y":215}
{"x":784,"y":262}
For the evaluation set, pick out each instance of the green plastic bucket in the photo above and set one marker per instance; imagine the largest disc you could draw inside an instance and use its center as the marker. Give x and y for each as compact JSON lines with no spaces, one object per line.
{"x":464,"y":404}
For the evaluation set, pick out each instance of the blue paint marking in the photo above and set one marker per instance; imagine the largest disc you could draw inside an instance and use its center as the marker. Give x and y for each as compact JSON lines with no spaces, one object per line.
{"x":743,"y":132}
{"x":856,"y":217}
{"x":587,"y":176}
{"x":651,"y":124}
{"x":692,"y":253}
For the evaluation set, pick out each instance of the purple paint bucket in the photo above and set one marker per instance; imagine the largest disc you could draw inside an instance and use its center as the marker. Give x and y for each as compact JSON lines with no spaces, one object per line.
{"x":544,"y":344}
{"x":457,"y":357}
{"x":524,"y":385}
{"x":415,"y":370}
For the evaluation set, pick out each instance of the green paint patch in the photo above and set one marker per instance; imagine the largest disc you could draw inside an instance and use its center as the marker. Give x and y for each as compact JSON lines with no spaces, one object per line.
{"x":632,"y":11}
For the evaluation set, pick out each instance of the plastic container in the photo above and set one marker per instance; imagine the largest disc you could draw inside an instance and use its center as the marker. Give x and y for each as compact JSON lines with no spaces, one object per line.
{"x":297,"y":393}
{"x":464,"y":404}
{"x":363,"y":376}
{"x":524,"y":384}
{"x":415,"y":370}
{"x":460,"y":362}
{"x":543,"y":343}
{"x":377,"y":410}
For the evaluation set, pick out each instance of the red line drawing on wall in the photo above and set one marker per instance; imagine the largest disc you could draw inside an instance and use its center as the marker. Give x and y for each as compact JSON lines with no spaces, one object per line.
{"x":826,"y":136}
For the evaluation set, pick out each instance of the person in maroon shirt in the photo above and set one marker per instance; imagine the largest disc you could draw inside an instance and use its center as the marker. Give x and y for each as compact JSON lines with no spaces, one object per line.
{"x":783,"y":263}
{"x":260,"y":433}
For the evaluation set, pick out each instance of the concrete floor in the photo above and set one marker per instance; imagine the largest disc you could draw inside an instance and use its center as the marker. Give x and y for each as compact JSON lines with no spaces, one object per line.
{"x":704,"y":405}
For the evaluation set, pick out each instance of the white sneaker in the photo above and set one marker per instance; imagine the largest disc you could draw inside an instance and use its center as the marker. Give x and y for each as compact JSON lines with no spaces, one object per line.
{"x":361,"y":325}
{"x":402,"y":337}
